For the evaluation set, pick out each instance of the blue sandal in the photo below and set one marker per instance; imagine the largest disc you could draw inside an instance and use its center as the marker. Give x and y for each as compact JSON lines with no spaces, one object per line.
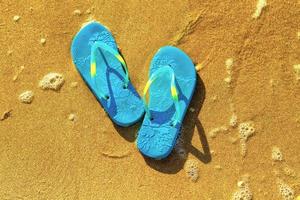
{"x":171,"y":86}
{"x":97,"y":59}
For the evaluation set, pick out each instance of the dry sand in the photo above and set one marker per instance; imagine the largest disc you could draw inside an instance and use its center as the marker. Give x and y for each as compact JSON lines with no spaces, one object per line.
{"x":44,"y":155}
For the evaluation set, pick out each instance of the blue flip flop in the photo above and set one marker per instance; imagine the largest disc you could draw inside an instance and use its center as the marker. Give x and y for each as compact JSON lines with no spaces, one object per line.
{"x":171,"y":85}
{"x":97,"y":59}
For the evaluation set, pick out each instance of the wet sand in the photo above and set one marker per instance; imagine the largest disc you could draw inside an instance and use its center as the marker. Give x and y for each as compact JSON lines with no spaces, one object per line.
{"x":63,"y":146}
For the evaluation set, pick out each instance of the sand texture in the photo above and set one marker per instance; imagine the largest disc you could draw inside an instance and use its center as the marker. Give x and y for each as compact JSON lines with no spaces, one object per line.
{"x":62,"y":145}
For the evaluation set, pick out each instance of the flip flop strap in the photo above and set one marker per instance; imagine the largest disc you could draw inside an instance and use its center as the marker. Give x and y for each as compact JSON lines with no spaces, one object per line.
{"x":93,"y":65}
{"x":165,"y":70}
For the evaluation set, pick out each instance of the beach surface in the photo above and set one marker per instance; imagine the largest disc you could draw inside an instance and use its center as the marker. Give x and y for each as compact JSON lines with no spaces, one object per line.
{"x":241,"y":135}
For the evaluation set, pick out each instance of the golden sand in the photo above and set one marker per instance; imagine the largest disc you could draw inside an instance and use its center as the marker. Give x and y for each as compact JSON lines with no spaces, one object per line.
{"x":46,"y":154}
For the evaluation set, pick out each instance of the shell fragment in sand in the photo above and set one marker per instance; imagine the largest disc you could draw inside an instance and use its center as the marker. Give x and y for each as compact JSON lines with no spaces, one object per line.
{"x":77,"y":12}
{"x":43,"y":41}
{"x":199,"y":66}
{"x":261,"y":4}
{"x":26,"y":97}
{"x":228,"y":64}
{"x":52,"y":81}
{"x":72,"y":117}
{"x":16,"y":18}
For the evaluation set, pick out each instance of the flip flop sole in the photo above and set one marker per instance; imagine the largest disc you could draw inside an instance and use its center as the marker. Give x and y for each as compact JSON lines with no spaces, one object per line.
{"x":157,"y":136}
{"x":124,"y":105}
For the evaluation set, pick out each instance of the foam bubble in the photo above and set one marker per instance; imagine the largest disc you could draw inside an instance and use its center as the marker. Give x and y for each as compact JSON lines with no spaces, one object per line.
{"x":192,"y":170}
{"x":229,"y":63}
{"x":243,"y":192}
{"x":287,"y":193}
{"x":52,"y":81}
{"x":259,"y":7}
{"x":289,"y":171}
{"x":297,"y":71}
{"x":233,"y":120}
{"x":276,"y":154}
{"x":180,"y":148}
{"x":243,"y":148}
{"x":246,"y":129}
{"x":214,"y":132}
{"x":26,"y":97}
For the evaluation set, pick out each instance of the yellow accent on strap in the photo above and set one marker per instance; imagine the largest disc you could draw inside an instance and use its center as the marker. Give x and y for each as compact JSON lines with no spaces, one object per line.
{"x":174,"y":92}
{"x":119,"y":57}
{"x":93,"y":69}
{"x":147,"y":87}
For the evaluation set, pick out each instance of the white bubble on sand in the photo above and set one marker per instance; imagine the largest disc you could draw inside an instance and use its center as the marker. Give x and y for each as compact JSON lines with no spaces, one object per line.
{"x":286,"y":192}
{"x":261,"y":4}
{"x":289,"y":171}
{"x":52,"y":81}
{"x":218,"y":167}
{"x":192,"y":109}
{"x":26,"y":97}
{"x":214,"y":132}
{"x":16,"y":76}
{"x":246,"y":129}
{"x":180,"y":148}
{"x":243,"y":192}
{"x":243,"y":148}
{"x":233,"y":120}
{"x":192,"y":170}
{"x":74,"y":84}
{"x":228,"y":64}
{"x":297,"y":71}
{"x":276,"y":154}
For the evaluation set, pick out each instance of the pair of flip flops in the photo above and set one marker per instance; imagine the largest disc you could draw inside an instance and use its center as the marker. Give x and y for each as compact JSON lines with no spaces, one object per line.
{"x":171,"y":85}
